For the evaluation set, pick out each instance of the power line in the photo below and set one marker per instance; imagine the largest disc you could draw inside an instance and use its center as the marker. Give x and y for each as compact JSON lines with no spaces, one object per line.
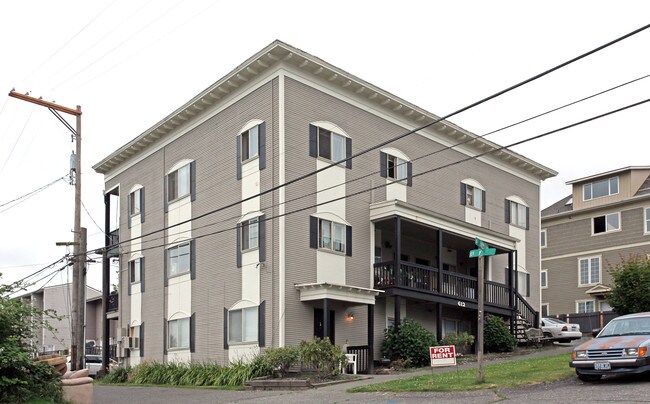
{"x":17,"y":140}
{"x":415,"y":175}
{"x":91,"y":218}
{"x":32,"y":192}
{"x":403,"y":135}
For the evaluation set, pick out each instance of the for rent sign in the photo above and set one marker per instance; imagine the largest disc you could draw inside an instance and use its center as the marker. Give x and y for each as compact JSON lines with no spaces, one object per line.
{"x":443,"y":355}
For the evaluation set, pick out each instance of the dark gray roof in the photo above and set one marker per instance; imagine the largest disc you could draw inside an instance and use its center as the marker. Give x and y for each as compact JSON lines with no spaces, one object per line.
{"x":559,"y":206}
{"x":644,"y":189}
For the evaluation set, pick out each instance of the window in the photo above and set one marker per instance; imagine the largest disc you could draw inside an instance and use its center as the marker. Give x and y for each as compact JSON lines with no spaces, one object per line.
{"x":598,"y":189}
{"x":135,"y":270}
{"x":517,"y":214}
{"x":523,"y":283}
{"x":178,"y":183}
{"x":545,"y":309}
{"x":178,"y":259}
{"x":179,"y":333}
{"x":135,"y":202}
{"x":134,"y":337}
{"x":542,"y":238}
{"x":250,"y":143}
{"x":543,"y":279}
{"x":329,"y":145}
{"x":331,"y":236}
{"x":585,"y":306}
{"x":472,"y":196}
{"x":242,"y":325}
{"x":250,"y":234}
{"x":378,"y":254}
{"x":647,"y":220}
{"x":589,"y":271}
{"x":606,"y":223}
{"x":396,"y":168}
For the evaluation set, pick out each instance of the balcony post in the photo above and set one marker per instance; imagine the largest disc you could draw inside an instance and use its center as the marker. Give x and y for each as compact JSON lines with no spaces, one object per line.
{"x":398,"y":250}
{"x":511,"y":292}
{"x":106,"y":277}
{"x":398,"y":311}
{"x":326,"y":319}
{"x":371,"y":339}
{"x":439,"y":286}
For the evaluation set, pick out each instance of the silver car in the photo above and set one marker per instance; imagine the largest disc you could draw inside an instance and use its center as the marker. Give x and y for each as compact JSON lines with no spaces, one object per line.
{"x":93,"y":364}
{"x":559,"y":330}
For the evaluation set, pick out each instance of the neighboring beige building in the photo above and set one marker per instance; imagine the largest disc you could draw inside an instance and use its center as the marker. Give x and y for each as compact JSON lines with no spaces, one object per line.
{"x":58,"y":298}
{"x":604,"y":221}
{"x":343,"y":253}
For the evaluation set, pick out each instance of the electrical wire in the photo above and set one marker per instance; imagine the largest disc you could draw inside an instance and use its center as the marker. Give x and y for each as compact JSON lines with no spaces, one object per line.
{"x":33,"y":192}
{"x":91,"y":218}
{"x":17,"y":140}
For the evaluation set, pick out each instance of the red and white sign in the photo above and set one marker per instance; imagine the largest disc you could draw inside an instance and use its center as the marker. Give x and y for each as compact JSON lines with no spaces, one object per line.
{"x":444,"y":355}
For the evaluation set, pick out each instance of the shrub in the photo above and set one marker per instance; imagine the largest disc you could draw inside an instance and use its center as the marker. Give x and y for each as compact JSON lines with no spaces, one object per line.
{"x":260,"y":366}
{"x":631,"y":281}
{"x":462,"y":341}
{"x":322,"y":355}
{"x":497,"y":337}
{"x":281,"y":359}
{"x":411,"y":343}
{"x":118,"y":374}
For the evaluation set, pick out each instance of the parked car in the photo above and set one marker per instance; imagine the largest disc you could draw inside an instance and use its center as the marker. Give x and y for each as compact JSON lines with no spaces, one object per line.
{"x":560,"y":330}
{"x":620,"y":347}
{"x":94,"y":364}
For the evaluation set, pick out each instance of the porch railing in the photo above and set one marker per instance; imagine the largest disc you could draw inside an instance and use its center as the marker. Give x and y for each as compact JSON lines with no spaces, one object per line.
{"x":113,"y":303}
{"x":497,"y":294}
{"x":362,"y":357}
{"x":526,"y":311}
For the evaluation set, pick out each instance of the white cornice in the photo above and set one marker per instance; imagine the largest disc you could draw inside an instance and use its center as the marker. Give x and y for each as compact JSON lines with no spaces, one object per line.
{"x":279,"y":53}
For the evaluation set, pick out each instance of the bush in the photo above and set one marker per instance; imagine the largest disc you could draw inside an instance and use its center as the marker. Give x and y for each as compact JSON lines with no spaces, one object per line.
{"x":322,"y":355}
{"x":631,"y":281}
{"x":118,"y":374}
{"x":463,"y":341}
{"x":497,"y":337}
{"x":411,"y":343}
{"x":281,"y":359}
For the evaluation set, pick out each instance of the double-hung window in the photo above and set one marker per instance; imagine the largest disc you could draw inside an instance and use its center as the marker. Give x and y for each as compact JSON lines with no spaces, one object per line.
{"x":135,"y":270}
{"x":179,"y":333}
{"x":243,"y":325}
{"x":395,"y":168}
{"x":585,"y":306}
{"x":589,"y":271}
{"x":599,"y":189}
{"x":329,"y":145}
{"x":178,"y":259}
{"x":646,"y":228}
{"x":134,"y":337}
{"x":517,"y":214}
{"x":472,"y":196}
{"x":135,"y":202}
{"x":607,"y":223}
{"x":543,"y":279}
{"x":331,"y":236}
{"x":250,"y":143}
{"x":542,"y":238}
{"x":250,"y":234}
{"x":178,"y":183}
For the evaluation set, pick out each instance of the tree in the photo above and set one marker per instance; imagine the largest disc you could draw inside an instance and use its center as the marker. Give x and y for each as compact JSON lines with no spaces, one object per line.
{"x":631,"y":285}
{"x":21,"y":378}
{"x":410,"y":342}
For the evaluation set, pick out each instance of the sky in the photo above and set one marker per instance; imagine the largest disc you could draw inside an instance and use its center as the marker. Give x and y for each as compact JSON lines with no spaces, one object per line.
{"x":129,"y":63}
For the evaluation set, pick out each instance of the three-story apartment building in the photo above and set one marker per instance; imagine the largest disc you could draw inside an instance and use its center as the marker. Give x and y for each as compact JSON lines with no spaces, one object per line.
{"x":251,"y":225}
{"x":604,"y":220}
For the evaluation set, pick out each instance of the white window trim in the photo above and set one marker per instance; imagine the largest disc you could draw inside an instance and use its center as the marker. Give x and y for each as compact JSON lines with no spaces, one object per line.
{"x":399,"y":162}
{"x":476,"y":185}
{"x":257,"y":239}
{"x":545,"y":271}
{"x":169,"y":333}
{"x":618,"y":180}
{"x":189,"y":269}
{"x":331,"y":248}
{"x":548,"y":309}
{"x":135,"y":188}
{"x":335,"y":130}
{"x":600,"y":270}
{"x":545,"y":238}
{"x":250,"y":125}
{"x":585,"y":301}
{"x":140,"y":272}
{"x":620,"y":224}
{"x":646,"y":218}
{"x":175,"y":168}
{"x":519,"y":201}
{"x":242,"y":308}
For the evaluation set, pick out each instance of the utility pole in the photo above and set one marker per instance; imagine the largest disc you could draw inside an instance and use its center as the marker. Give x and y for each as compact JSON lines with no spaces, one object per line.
{"x":79,"y":286}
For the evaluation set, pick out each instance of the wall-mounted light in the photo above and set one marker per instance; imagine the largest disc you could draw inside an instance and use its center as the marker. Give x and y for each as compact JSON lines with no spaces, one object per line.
{"x":351,"y":315}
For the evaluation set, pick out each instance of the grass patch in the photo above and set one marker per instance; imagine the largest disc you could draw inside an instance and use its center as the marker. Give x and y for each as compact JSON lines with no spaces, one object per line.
{"x":501,"y":375}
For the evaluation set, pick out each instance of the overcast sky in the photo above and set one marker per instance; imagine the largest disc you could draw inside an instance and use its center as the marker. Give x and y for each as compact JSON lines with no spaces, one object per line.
{"x":129,"y":63}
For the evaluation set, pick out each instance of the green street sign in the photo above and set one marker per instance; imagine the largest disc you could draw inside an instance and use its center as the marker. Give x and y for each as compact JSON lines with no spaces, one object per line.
{"x":480,"y":244}
{"x":482,"y":253}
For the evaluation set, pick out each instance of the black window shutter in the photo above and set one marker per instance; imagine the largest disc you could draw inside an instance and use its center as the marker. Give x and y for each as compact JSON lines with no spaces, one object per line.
{"x":527,"y":285}
{"x":129,"y":202}
{"x":239,"y":157}
{"x":463,"y":194}
{"x":348,"y":241}
{"x":164,"y":336}
{"x":128,"y":275}
{"x":193,"y":180}
{"x":238,"y":245}
{"x":141,"y":205}
{"x":165,"y":280}
{"x":193,"y":259}
{"x":262,"y":238}
{"x":313,"y":232}
{"x":348,"y":152}
{"x":192,"y":331}
{"x":507,"y":276}
{"x":527,"y":218}
{"x":409,"y":174}
{"x":141,"y":340}
{"x":507,"y":205}
{"x":262,"y":145}
{"x":484,"y":201}
{"x":261,"y":325}
{"x":383,"y":160}
{"x":165,"y":191}
{"x":142,"y":275}
{"x":313,"y":140}
{"x":225,"y":328}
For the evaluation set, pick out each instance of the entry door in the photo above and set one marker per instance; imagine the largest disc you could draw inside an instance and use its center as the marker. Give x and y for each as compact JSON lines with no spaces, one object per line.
{"x":318,"y":324}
